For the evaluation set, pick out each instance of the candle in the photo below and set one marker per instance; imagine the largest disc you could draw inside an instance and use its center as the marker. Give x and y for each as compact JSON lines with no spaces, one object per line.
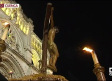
{"x":94,"y":56}
{"x":10,"y":72}
{"x":5,"y":31}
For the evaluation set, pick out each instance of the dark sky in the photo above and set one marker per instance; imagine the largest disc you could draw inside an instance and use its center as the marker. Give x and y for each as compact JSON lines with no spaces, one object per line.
{"x":81,"y":23}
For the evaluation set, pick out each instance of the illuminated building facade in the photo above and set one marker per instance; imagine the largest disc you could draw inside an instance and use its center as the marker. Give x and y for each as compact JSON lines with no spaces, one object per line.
{"x":24,"y":48}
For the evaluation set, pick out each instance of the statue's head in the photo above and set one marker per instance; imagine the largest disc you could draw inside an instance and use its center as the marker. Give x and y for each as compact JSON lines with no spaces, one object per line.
{"x":57,"y":29}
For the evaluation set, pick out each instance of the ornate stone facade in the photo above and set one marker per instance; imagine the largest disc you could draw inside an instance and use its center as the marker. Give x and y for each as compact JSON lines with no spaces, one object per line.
{"x":23,"y":45}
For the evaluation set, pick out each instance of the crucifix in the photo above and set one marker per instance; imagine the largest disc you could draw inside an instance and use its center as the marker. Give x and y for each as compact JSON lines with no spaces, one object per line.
{"x":53,"y":50}
{"x":48,"y":41}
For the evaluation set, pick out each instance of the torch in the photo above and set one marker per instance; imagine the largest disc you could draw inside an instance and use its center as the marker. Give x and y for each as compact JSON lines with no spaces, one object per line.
{"x":98,"y":70}
{"x":10,"y":73}
{"x":6,"y":25}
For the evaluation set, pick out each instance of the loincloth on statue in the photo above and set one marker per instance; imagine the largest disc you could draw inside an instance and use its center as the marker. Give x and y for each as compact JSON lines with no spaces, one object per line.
{"x":52,"y":49}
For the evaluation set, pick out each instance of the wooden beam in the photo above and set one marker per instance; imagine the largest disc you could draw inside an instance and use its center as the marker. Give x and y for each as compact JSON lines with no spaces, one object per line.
{"x":45,"y":38}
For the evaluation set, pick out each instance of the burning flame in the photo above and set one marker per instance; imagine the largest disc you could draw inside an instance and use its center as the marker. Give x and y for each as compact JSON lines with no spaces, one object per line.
{"x":87,"y":49}
{"x":10,"y":71}
{"x":5,"y":23}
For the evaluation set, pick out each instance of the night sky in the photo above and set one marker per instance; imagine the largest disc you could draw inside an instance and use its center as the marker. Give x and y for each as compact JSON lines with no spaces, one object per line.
{"x":80,"y":23}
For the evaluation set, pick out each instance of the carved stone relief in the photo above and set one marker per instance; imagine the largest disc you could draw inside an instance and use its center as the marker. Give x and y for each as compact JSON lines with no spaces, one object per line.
{"x":35,"y":58}
{"x":11,"y":39}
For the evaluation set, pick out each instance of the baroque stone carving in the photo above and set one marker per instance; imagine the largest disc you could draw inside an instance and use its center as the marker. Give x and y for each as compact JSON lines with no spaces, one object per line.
{"x":35,"y":59}
{"x":11,"y":40}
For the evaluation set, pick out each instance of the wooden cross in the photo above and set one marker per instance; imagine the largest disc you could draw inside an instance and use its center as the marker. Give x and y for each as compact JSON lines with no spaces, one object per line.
{"x":45,"y":38}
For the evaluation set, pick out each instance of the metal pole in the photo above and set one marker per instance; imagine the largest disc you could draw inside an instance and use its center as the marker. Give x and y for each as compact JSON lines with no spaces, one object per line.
{"x":45,"y":38}
{"x":99,"y":72}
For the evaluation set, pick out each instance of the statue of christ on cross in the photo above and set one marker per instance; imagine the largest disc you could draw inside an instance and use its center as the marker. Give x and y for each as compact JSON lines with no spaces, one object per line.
{"x":51,"y":45}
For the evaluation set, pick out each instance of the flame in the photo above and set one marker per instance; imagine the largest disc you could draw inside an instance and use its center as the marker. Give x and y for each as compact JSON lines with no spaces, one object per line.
{"x":10,"y":71}
{"x":5,"y":23}
{"x":87,"y":49}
